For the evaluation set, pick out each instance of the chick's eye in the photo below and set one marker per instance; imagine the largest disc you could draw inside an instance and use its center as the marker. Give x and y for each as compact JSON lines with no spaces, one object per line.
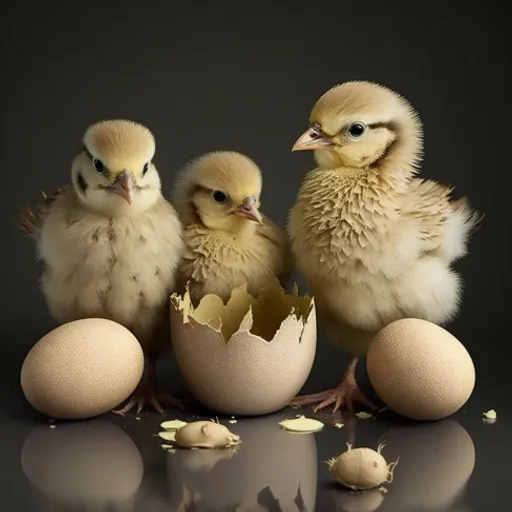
{"x":356,"y":130}
{"x":98,"y":165}
{"x":145,"y":169}
{"x":219,"y":196}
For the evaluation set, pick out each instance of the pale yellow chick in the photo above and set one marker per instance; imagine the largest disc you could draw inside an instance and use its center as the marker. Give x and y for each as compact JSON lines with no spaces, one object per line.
{"x":375,"y":243}
{"x":228,"y":241}
{"x":110,"y":243}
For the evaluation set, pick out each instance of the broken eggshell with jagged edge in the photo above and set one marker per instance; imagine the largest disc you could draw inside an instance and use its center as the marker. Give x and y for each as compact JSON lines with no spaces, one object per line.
{"x":250,"y":356}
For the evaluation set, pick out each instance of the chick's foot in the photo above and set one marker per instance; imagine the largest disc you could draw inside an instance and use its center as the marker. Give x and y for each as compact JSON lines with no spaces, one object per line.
{"x":147,"y":394}
{"x":344,"y":395}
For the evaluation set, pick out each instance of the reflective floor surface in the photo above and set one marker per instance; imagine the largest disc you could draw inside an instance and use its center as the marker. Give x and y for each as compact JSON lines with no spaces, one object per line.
{"x":461,"y":464}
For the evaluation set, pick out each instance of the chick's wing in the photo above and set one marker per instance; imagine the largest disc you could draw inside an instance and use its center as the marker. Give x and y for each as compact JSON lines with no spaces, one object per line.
{"x":428,"y":204}
{"x":31,"y":220}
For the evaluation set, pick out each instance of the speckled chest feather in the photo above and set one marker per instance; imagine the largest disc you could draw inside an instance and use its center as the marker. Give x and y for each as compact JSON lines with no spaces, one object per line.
{"x":339,"y":215}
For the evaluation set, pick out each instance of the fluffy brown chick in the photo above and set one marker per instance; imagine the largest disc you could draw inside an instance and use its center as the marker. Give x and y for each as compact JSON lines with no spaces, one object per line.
{"x":228,"y":241}
{"x":110,"y":243}
{"x":375,"y":243}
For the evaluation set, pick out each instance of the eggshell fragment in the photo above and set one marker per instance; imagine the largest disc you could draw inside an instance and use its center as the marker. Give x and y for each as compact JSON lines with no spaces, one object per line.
{"x":420,"y":370}
{"x":364,"y":415}
{"x":168,"y":436}
{"x":302,"y":424}
{"x":491,"y":414}
{"x":205,"y":434}
{"x":82,"y":369}
{"x":361,"y":468}
{"x":250,"y":356}
{"x":173,"y":424}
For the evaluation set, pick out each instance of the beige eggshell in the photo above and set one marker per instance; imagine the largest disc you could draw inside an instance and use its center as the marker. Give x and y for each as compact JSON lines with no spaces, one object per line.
{"x":82,"y":369}
{"x":268,"y":355}
{"x":83,"y":463}
{"x":420,"y":370}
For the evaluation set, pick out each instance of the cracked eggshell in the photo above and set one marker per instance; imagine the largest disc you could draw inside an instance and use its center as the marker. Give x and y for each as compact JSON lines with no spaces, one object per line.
{"x":250,"y":356}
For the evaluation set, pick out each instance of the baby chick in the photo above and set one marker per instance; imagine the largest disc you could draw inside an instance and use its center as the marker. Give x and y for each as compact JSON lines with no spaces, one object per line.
{"x":375,"y":243}
{"x":110,"y":243}
{"x":228,"y":241}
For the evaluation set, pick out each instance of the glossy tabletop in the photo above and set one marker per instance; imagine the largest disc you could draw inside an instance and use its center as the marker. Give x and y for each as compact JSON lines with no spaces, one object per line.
{"x":461,"y":464}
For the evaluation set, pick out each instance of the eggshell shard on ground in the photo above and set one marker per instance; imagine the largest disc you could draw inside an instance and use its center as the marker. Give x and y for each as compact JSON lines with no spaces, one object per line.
{"x":173,"y":424}
{"x":250,"y":356}
{"x":204,"y":434}
{"x":361,"y":468}
{"x":302,"y":425}
{"x":491,"y":414}
{"x":168,"y":436}
{"x":82,"y":369}
{"x":420,"y":370}
{"x":364,"y":415}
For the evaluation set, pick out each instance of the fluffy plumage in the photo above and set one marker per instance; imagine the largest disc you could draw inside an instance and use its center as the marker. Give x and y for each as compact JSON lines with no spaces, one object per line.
{"x":228,"y":242}
{"x":110,"y":243}
{"x":375,"y":243}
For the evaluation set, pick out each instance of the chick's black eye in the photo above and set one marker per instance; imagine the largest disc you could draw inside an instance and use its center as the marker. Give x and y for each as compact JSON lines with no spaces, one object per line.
{"x":219,"y":196}
{"x":98,"y":165}
{"x":356,"y":129}
{"x":145,"y":169}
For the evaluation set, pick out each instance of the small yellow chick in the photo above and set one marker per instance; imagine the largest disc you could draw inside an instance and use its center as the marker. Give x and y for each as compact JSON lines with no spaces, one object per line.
{"x":110,"y":243}
{"x":375,"y":243}
{"x":228,"y":241}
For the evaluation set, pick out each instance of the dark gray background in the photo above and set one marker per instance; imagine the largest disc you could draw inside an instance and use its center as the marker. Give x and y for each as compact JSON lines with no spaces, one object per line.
{"x":240,"y":77}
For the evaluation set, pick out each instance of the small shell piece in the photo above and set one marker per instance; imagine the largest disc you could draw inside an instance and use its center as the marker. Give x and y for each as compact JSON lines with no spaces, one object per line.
{"x":491,"y":414}
{"x":168,"y":436}
{"x":302,"y":425}
{"x":205,"y":434}
{"x":364,"y":415}
{"x":361,"y":468}
{"x":173,"y":425}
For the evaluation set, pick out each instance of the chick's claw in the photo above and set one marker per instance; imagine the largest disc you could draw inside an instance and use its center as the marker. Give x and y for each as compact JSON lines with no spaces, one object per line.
{"x":343,"y":395}
{"x":148,"y":395}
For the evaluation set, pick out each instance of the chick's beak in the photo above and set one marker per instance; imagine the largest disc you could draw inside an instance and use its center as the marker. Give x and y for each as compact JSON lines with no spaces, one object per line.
{"x":124,"y":186}
{"x":249,"y":210}
{"x":312,"y":139}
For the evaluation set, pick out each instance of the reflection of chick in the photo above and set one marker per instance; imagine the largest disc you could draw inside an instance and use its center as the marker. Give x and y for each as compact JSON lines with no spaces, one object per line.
{"x":110,"y":243}
{"x":374,"y":243}
{"x":229,"y":242}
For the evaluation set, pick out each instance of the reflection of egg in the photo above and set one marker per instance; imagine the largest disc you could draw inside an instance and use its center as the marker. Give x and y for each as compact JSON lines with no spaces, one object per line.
{"x":268,"y":355}
{"x":420,"y":370}
{"x":267,"y":457}
{"x":82,"y":463}
{"x":82,"y":369}
{"x":436,"y":462}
